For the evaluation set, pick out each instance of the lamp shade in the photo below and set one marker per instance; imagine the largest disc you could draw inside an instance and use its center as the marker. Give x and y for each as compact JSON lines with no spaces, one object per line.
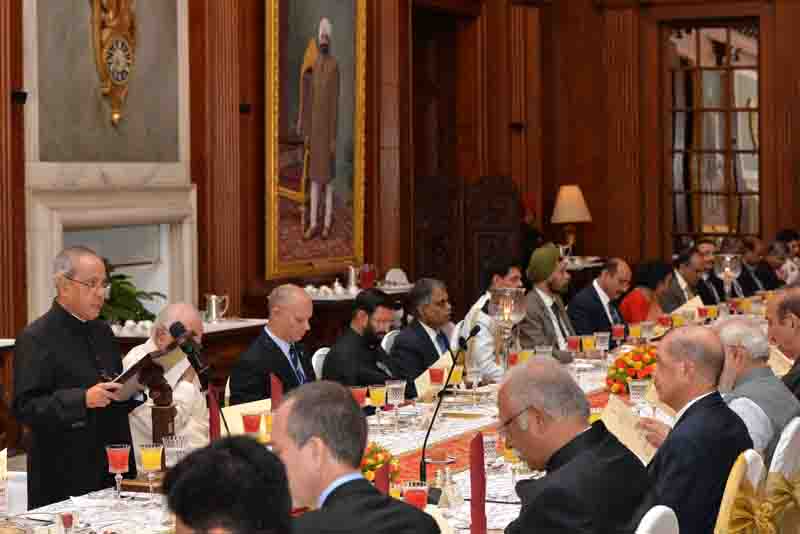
{"x":570,"y":206}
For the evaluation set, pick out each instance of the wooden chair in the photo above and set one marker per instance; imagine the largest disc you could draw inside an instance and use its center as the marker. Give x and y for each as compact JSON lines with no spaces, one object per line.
{"x":659,"y":520}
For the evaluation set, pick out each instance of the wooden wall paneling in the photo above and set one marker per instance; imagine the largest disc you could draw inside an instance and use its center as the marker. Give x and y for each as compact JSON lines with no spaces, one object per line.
{"x":624,"y":186}
{"x":495,"y":88}
{"x":216,"y":162}
{"x":469,"y":158}
{"x":13,"y":291}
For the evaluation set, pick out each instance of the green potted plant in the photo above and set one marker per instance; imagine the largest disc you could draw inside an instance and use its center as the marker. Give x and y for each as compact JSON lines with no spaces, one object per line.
{"x":125,"y":300}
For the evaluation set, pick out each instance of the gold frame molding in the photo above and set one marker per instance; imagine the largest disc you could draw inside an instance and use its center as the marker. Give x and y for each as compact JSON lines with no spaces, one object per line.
{"x":276,"y":268}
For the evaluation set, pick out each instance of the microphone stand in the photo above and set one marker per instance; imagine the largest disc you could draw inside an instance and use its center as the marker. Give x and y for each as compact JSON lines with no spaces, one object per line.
{"x":462,"y":343}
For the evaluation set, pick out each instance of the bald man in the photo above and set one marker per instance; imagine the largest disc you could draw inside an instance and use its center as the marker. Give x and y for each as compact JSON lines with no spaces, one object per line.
{"x":595,"y":307}
{"x":593,"y":484}
{"x":277,"y":349}
{"x":690,"y":469}
{"x":783,"y":315}
{"x":191,"y":418}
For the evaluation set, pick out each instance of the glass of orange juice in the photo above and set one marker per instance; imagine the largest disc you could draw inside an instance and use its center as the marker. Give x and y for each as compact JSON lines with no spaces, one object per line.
{"x":151,"y":464}
{"x":458,"y":375}
{"x":377,"y":396}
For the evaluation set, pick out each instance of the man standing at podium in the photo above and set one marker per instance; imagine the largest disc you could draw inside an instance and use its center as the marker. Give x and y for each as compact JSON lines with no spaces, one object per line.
{"x":64,"y":364}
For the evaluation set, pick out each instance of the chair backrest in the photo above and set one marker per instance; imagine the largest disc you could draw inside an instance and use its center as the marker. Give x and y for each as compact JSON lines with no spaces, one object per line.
{"x":227,"y":400}
{"x":744,"y":480}
{"x":212,"y":399}
{"x":388,"y":340}
{"x":318,"y":360}
{"x":786,"y":459}
{"x":659,"y":520}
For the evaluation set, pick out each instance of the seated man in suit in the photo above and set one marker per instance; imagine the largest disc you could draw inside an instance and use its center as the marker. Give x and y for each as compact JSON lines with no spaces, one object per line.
{"x":276,"y":350}
{"x":593,"y":483}
{"x":481,"y":349}
{"x":233,"y":486}
{"x":357,"y":359}
{"x":191,"y":415}
{"x":709,"y":288}
{"x":423,"y":342}
{"x":320,"y":434}
{"x":689,"y":265}
{"x":783,"y":315}
{"x":749,"y":388}
{"x":594,"y":308}
{"x":756,"y":273}
{"x":690,"y":469}
{"x":546,"y":321}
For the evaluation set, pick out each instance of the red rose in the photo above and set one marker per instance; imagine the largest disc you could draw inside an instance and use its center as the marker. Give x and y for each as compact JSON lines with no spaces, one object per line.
{"x":631,"y":372}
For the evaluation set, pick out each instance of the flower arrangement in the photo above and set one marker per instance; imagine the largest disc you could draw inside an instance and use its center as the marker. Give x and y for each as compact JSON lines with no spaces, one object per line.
{"x":374,"y":458}
{"x":635,"y":364}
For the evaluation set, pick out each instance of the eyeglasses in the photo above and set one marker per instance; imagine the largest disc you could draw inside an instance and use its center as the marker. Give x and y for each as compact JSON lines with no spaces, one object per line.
{"x":92,"y":284}
{"x":502,"y":429}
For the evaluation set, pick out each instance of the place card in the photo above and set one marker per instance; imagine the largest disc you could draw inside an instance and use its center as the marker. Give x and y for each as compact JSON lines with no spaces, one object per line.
{"x":4,"y":482}
{"x":778,"y":361}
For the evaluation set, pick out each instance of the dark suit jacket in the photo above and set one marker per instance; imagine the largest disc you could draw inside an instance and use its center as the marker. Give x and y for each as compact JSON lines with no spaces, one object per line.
{"x":765,"y":275}
{"x":690,"y":469}
{"x":593,"y":485}
{"x":412,"y":353}
{"x":792,"y":379}
{"x":707,"y":294}
{"x":250,"y":375}
{"x":673,"y":298}
{"x":358,"y":508}
{"x":587,"y":313}
{"x":352,"y":362}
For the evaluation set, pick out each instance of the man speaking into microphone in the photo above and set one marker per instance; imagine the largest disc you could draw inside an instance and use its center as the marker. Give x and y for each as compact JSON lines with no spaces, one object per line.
{"x":191,"y":418}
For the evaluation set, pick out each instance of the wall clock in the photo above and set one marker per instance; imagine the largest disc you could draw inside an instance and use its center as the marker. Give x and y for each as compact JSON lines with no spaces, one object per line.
{"x":114,"y":37}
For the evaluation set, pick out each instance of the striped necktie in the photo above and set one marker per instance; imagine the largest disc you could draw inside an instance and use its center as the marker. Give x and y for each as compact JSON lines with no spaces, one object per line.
{"x":294,"y":356}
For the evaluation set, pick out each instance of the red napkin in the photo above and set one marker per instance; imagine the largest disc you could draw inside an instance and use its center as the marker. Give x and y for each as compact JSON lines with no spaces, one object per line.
{"x":276,"y":391}
{"x":213,"y":413}
{"x":477,"y":480}
{"x":382,"y":479}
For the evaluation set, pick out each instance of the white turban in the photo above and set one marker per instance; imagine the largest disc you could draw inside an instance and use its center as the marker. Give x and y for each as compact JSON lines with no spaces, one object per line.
{"x":325,"y":27}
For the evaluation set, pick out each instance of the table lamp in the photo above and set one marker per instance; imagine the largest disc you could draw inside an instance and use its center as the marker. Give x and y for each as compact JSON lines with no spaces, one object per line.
{"x":570,"y":209}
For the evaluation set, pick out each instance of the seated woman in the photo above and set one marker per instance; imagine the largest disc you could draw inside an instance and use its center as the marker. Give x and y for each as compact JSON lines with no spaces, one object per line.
{"x":652,"y":280}
{"x":784,"y":269}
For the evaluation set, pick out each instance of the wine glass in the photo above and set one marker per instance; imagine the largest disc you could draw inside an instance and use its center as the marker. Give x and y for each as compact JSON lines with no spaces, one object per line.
{"x":175,"y":448}
{"x":618,"y":333}
{"x":118,"y":457}
{"x":251,"y":421}
{"x":603,"y":341}
{"x":151,"y":464}
{"x":648,"y":330}
{"x":359,"y":395}
{"x":377,"y":396}
{"x":507,"y":307}
{"x":727,"y":267}
{"x":472,"y":381}
{"x":395,"y":394}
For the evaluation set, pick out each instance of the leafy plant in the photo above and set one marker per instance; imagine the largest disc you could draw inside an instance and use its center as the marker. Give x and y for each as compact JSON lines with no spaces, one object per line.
{"x":125,"y":300}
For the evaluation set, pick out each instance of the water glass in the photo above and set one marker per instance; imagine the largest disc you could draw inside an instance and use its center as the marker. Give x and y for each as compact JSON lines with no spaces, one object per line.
{"x":544,"y":351}
{"x":489,"y":448}
{"x":638,"y":390}
{"x":635,"y":331}
{"x":395,"y":394}
{"x":648,"y":330}
{"x":415,"y":493}
{"x":603,"y":341}
{"x":574,"y":344}
{"x":618,"y":332}
{"x":175,"y":448}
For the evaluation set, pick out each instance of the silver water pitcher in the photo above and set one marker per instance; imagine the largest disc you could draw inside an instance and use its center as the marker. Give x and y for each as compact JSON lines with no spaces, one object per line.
{"x":216,"y":306}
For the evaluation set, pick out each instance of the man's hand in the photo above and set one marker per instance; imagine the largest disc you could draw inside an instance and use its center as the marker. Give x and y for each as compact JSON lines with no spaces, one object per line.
{"x":100,"y":395}
{"x":655,"y":432}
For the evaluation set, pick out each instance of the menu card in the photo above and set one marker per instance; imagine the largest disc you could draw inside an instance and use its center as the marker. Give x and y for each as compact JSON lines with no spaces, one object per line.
{"x":3,"y":482}
{"x":621,"y":421}
{"x":778,"y":361}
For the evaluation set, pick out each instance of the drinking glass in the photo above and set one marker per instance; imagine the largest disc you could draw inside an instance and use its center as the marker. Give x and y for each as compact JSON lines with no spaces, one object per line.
{"x":268,"y":424}
{"x":472,"y":381}
{"x":67,"y":520}
{"x":458,"y":375}
{"x":723,"y":310}
{"x":251,"y":422}
{"x":525,"y":355}
{"x":638,"y":390}
{"x":377,"y":396}
{"x":151,"y":463}
{"x":677,"y":320}
{"x":746,"y":306}
{"x":588,"y":343}
{"x":618,"y":332}
{"x":688,"y":316}
{"x":415,"y":493}
{"x":490,"y":439}
{"x":603,"y":341}
{"x":648,"y":330}
{"x":544,"y":351}
{"x":395,"y":394}
{"x":712,"y":311}
{"x":665,"y":321}
{"x":635,"y":331}
{"x":359,"y":395}
{"x":702,"y":314}
{"x":118,"y":456}
{"x":395,"y":490}
{"x":436,"y":375}
{"x":574,"y":345}
{"x":175,"y":448}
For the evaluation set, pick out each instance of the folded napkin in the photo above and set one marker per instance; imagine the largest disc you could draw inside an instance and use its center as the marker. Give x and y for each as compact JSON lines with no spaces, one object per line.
{"x":213,"y":413}
{"x":382,"y":479}
{"x":477,"y":480}
{"x":691,"y":305}
{"x":276,"y":391}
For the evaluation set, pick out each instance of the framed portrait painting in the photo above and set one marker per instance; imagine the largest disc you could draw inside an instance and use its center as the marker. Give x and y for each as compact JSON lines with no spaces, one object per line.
{"x":315,"y":135}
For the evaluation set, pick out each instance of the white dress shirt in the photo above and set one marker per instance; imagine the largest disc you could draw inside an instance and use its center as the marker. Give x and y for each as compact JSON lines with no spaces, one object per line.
{"x":605,"y":300}
{"x":683,"y":285}
{"x":481,"y":349}
{"x":758,"y":424}
{"x":548,"y":304}
{"x":433,"y":333}
{"x":191,"y":418}
{"x":689,"y":404}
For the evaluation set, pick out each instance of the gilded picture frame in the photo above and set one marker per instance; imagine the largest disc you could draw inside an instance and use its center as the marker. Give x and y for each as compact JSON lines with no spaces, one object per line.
{"x":315,"y":212}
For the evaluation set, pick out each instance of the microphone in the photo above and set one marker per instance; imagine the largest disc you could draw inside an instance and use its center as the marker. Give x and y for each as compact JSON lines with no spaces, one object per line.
{"x":462,"y":344}
{"x":183,"y":338}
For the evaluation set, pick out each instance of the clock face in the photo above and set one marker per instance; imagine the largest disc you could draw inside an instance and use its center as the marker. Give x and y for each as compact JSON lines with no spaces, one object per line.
{"x":119,"y":60}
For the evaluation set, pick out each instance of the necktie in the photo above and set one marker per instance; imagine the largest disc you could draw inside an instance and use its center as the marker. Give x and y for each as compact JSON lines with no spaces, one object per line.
{"x":294,"y":355}
{"x":756,"y":279}
{"x":557,"y":314}
{"x":617,"y":318}
{"x":737,"y":289}
{"x":443,"y":342}
{"x":713,"y":290}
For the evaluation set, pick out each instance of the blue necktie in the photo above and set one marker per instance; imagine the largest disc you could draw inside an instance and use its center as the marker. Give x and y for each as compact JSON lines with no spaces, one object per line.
{"x":443,"y":342}
{"x":615,"y":314}
{"x":294,"y":355}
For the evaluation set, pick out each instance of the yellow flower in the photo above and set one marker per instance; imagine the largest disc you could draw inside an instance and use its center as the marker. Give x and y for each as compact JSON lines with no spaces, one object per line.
{"x":637,"y":365}
{"x":370,"y":475}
